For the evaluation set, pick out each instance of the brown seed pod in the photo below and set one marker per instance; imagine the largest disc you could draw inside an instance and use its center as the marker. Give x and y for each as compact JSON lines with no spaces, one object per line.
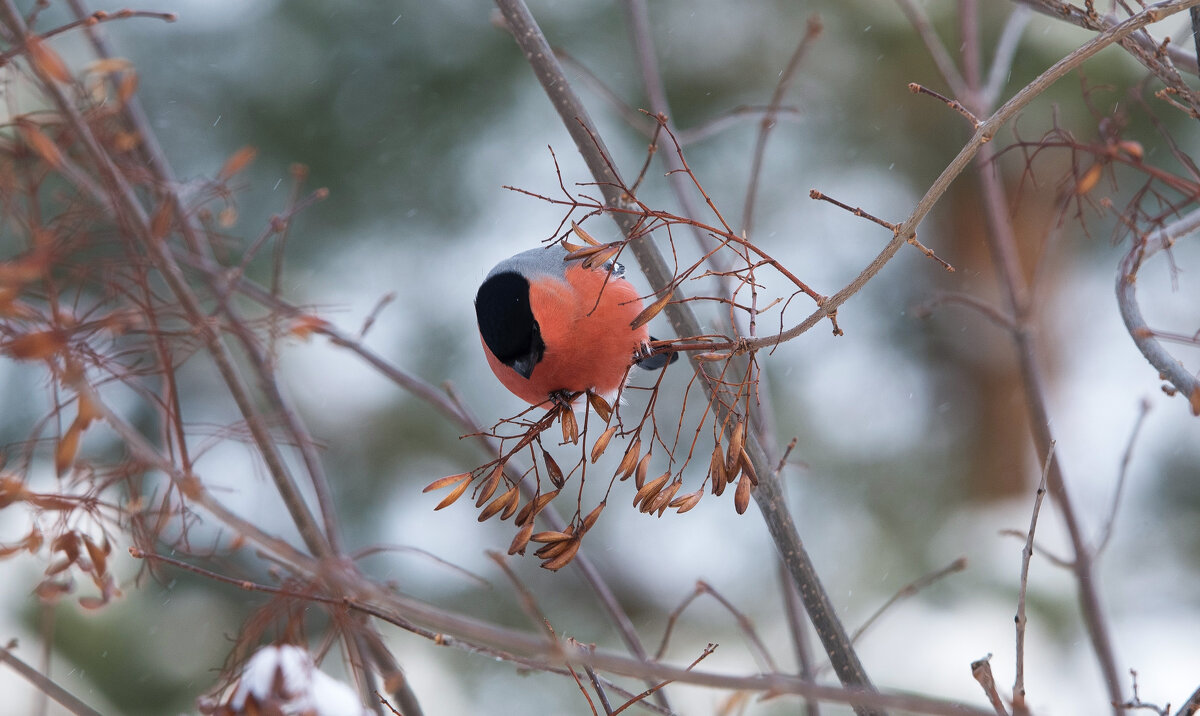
{"x":553,"y":549}
{"x":37,"y":345}
{"x":98,"y":553}
{"x":736,"y":441}
{"x":600,"y":405}
{"x":454,"y":495}
{"x":502,"y":503}
{"x":521,"y":540}
{"x":41,"y":144}
{"x":593,"y":516}
{"x":602,"y":442}
{"x":587,"y":252}
{"x":129,"y":83}
{"x":651,"y":311}
{"x":511,"y":507}
{"x":550,"y":537}
{"x":46,"y":59}
{"x":741,"y":498}
{"x":683,"y":503}
{"x":446,"y":481}
{"x":602,"y":256}
{"x":556,"y":563}
{"x":68,"y":446}
{"x":237,"y":161}
{"x":553,"y":470}
{"x":716,"y":470}
{"x":732,"y":472}
{"x":642,"y":469}
{"x":570,"y":426}
{"x":630,"y":460}
{"x":1132,"y":148}
{"x":650,"y":489}
{"x":748,"y":468}
{"x":583,"y":235}
{"x":659,"y":502}
{"x":534,"y":506}
{"x":488,"y":488}
{"x":1089,"y":179}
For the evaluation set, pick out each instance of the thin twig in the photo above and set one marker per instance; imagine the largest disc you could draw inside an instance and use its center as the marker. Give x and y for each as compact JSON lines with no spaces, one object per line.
{"x":44,"y":684}
{"x":951,"y":103}
{"x":1131,"y":313}
{"x":1018,"y":701}
{"x":981,"y":670}
{"x":1126,"y":458}
{"x":812,"y":30}
{"x":937,"y":50}
{"x":909,"y":590}
{"x":1191,"y":706}
{"x":1004,"y":54}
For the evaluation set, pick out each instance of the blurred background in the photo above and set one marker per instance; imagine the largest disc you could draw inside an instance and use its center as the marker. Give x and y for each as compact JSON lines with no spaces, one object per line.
{"x":913,"y":448}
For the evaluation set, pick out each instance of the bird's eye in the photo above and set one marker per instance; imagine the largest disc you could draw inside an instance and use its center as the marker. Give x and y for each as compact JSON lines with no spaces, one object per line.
{"x":616,"y":269}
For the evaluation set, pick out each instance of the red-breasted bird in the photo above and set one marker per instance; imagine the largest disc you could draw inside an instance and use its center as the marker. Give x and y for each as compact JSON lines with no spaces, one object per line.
{"x":549,"y":325}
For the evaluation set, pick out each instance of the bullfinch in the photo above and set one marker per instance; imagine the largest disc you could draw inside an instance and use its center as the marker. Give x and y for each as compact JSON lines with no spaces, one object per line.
{"x":549,"y":325}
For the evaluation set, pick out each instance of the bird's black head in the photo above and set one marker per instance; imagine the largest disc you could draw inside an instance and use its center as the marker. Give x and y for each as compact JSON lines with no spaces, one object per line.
{"x":507,"y":324}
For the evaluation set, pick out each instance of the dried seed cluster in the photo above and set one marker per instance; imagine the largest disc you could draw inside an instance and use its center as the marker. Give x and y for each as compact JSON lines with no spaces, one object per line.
{"x":652,"y":496}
